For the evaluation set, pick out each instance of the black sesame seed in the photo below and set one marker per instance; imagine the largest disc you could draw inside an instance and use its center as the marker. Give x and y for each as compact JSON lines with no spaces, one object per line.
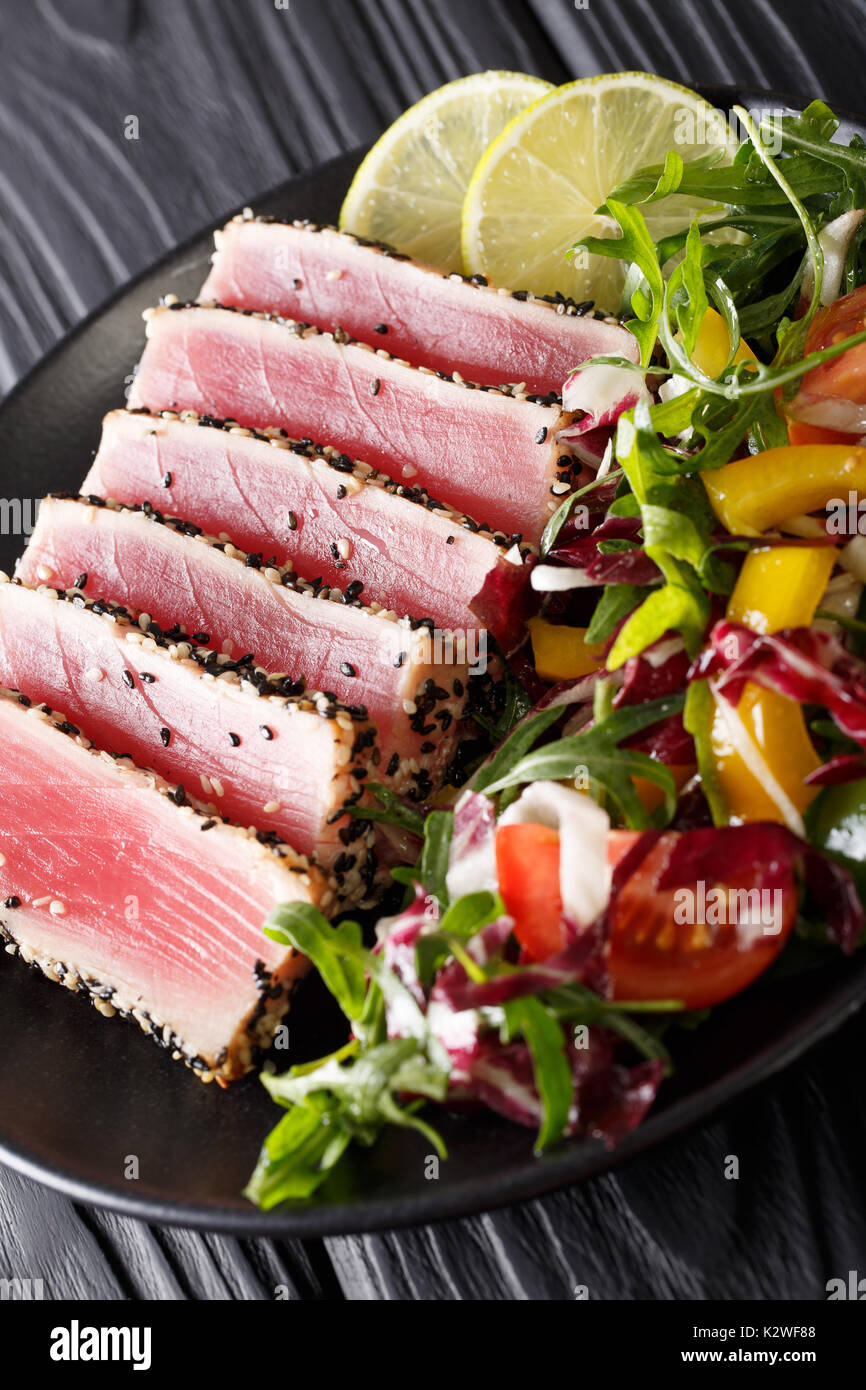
{"x":265,"y":731}
{"x":400,"y":658}
{"x":393,"y":765}
{"x":165,"y":735}
{"x":347,"y":669}
{"x":375,"y":386}
{"x":129,"y":679}
{"x":208,"y":825}
{"x":341,"y":492}
{"x":201,"y":637}
{"x":449,"y":540}
{"x":234,"y":740}
{"x":293,"y":522}
{"x":81,"y":581}
{"x":380,"y":328}
{"x":12,"y":902}
{"x":541,"y":436}
{"x":166,"y":481}
{"x":147,"y":677}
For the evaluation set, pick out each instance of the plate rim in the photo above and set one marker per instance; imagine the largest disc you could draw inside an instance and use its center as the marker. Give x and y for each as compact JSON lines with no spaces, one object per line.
{"x":536,"y":1178}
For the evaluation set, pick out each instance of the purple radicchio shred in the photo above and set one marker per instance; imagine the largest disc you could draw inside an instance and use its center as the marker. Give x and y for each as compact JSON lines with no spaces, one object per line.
{"x":801,"y":663}
{"x":632,"y":566}
{"x":845,"y":767}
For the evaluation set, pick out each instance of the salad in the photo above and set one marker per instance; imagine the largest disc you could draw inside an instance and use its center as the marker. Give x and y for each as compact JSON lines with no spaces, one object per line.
{"x":674,"y":791}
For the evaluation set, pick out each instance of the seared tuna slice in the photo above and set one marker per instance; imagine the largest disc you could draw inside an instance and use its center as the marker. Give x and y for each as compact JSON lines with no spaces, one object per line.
{"x":112,"y":889}
{"x":171,"y":706}
{"x":310,"y":505}
{"x":408,"y":685}
{"x":486,"y":451}
{"x":336,"y":280}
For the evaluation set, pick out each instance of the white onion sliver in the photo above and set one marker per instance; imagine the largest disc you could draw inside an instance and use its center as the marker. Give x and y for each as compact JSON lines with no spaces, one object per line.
{"x":555,"y":579}
{"x":584,"y":873}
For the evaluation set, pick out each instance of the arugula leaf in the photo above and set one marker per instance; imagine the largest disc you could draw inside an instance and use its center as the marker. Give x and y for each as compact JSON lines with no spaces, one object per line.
{"x":350,"y":1096}
{"x":462,"y":920}
{"x":518,"y":743}
{"x":553,"y":1077}
{"x":391,"y":809}
{"x":515,"y":704}
{"x":610,"y":766}
{"x":576,"y":1003}
{"x":681,"y":605}
{"x":635,"y":244}
{"x":337,"y":952}
{"x":564,"y":510}
{"x":433,"y":865}
{"x":698,"y":716}
{"x":616,"y":602}
{"x":687,"y":291}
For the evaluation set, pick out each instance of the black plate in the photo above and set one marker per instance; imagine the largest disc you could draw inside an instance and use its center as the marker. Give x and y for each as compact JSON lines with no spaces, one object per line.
{"x":78,"y":1095}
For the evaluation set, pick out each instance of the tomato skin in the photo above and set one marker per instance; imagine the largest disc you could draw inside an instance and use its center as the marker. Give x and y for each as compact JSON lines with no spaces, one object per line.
{"x":799,"y":432}
{"x":843,"y":378}
{"x":527,"y":866}
{"x":652,"y":956}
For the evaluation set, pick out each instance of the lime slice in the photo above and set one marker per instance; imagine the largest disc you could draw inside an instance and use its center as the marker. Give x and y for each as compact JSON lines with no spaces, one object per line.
{"x":409,"y":190}
{"x":535,"y":190}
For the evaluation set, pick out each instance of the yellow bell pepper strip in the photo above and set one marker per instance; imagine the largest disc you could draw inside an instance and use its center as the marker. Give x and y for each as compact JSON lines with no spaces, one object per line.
{"x":778,"y":586}
{"x":713,"y":346}
{"x":562,"y":653}
{"x":752,"y":494}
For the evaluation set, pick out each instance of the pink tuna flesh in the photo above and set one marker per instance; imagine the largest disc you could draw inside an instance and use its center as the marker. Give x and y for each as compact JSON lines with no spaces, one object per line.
{"x":125,"y":689}
{"x":151,"y":564}
{"x":109,"y":886}
{"x":332,"y":279}
{"x":490,"y":454}
{"x":288,"y":502}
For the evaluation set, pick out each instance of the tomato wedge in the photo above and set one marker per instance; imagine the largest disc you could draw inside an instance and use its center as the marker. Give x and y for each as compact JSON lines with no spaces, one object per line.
{"x":527,"y":866}
{"x":656,"y":955}
{"x":834,"y":394}
{"x":801,"y":433}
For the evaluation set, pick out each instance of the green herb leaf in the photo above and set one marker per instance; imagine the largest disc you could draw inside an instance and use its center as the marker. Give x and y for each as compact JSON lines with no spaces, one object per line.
{"x":698,"y":718}
{"x":433,"y":865}
{"x":553,"y":1078}
{"x":336,"y":951}
{"x":391,"y":809}
{"x":635,"y":245}
{"x":610,"y":766}
{"x":616,"y":602}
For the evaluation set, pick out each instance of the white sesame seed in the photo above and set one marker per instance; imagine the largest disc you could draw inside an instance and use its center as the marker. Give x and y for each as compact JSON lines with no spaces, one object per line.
{"x":41,"y":902}
{"x":205,"y":785}
{"x":94,"y":674}
{"x":334,"y":275}
{"x":410,"y":707}
{"x":271,"y":807}
{"x":57,"y":908}
{"x":217,"y":785}
{"x":43,"y":572}
{"x":344,"y":547}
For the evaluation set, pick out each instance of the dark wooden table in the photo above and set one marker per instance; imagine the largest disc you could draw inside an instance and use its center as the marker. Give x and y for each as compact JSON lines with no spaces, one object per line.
{"x":231,"y":97}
